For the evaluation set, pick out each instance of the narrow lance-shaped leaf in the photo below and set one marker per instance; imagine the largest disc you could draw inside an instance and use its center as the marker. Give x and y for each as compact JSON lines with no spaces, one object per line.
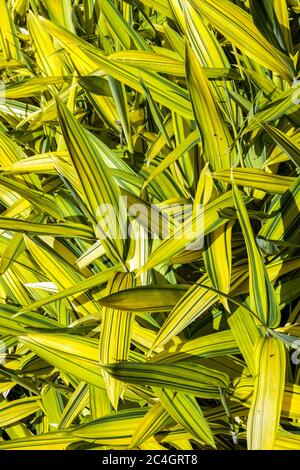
{"x":256,"y":178}
{"x":191,"y":305}
{"x":97,"y":185}
{"x":192,"y":230}
{"x":237,"y":25}
{"x":120,"y":99}
{"x":262,"y":296}
{"x":61,"y":12}
{"x":217,"y":258}
{"x":68,"y":230}
{"x":246,"y":333}
{"x":188,"y":143}
{"x":77,"y":402}
{"x":145,"y":298}
{"x":60,"y":272}
{"x":81,"y":286}
{"x":186,"y":377}
{"x":216,"y":344}
{"x":287,"y":144}
{"x":209,"y":52}
{"x":47,"y":441}
{"x":284,"y":222}
{"x":9,"y":41}
{"x":115,"y":429}
{"x":216,"y":138}
{"x":68,"y":353}
{"x":186,"y":411}
{"x":12,"y":251}
{"x":266,"y":404}
{"x":155,"y":111}
{"x":90,"y":59}
{"x":282,"y":15}
{"x":155,"y":420}
{"x":124,"y":32}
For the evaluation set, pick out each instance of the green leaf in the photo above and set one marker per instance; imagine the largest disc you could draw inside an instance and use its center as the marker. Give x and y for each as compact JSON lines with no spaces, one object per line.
{"x":266,"y":405}
{"x":283,"y":224}
{"x":116,"y":334}
{"x":115,"y":429}
{"x":187,"y":378}
{"x":262,"y":297}
{"x":212,"y":127}
{"x":96,"y":184}
{"x":237,"y":26}
{"x":185,"y":410}
{"x":17,"y":410}
{"x":145,"y":298}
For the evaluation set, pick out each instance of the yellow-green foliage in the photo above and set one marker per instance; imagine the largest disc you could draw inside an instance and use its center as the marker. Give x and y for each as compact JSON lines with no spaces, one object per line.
{"x":108,"y":342}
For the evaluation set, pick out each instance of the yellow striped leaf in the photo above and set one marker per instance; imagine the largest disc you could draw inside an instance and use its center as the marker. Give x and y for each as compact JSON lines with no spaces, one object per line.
{"x":266,"y":405}
{"x":262,"y":298}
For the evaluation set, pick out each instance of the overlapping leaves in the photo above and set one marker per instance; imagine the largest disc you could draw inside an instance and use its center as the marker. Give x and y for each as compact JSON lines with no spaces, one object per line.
{"x":154,"y":109}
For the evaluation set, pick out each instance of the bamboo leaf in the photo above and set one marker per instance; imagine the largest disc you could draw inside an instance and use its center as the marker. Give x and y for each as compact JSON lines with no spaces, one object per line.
{"x":255,"y":178}
{"x":185,"y":410}
{"x":266,"y":406}
{"x":145,"y":298}
{"x":104,"y":430}
{"x":17,"y":410}
{"x":237,"y":25}
{"x":74,"y":356}
{"x":116,"y":334}
{"x":91,"y":168}
{"x":187,"y":378}
{"x":262,"y":298}
{"x":216,"y":139}
{"x":205,"y":221}
{"x":154,"y":421}
{"x":285,"y":216}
